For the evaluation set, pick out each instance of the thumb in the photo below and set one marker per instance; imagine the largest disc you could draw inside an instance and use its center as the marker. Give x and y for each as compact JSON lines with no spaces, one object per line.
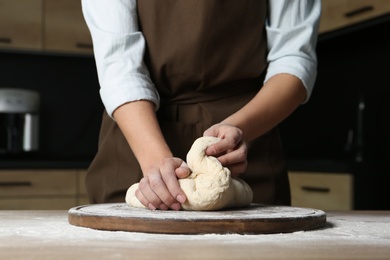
{"x":212,"y":131}
{"x":182,"y":171}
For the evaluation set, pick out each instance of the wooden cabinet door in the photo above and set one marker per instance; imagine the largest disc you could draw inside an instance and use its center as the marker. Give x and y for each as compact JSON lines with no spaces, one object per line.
{"x":82,"y":198}
{"x":65,"y":27}
{"x":326,"y":191}
{"x":37,"y":203}
{"x":29,"y":183}
{"x":38,"y":189}
{"x":337,"y":14}
{"x":21,"y":24}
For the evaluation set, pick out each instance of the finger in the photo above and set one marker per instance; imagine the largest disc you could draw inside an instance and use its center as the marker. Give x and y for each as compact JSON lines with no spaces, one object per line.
{"x":161,"y":188}
{"x":141,"y":192}
{"x":144,"y":201}
{"x":223,"y":146}
{"x":237,"y":156}
{"x":212,"y":131}
{"x":238,"y":168}
{"x":233,"y":157}
{"x":183,"y":171}
{"x":151,"y":187}
{"x":172,"y":183}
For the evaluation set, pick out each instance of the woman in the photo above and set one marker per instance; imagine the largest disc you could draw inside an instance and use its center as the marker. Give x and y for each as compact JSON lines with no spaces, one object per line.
{"x":171,"y":71}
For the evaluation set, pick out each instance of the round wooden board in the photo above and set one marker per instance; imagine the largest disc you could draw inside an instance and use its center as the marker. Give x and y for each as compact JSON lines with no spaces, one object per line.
{"x":254,"y":219}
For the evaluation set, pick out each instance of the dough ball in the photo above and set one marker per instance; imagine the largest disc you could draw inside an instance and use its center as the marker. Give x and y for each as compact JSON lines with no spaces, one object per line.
{"x":131,"y":199}
{"x":209,"y":186}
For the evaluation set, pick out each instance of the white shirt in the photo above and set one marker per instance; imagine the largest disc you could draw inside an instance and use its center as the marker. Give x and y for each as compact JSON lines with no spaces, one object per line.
{"x":119,"y":47}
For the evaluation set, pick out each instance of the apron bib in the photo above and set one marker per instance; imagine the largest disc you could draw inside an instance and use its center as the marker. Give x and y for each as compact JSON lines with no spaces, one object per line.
{"x":207,"y":59}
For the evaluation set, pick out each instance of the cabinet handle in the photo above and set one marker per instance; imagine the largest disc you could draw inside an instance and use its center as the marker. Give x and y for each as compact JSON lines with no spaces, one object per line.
{"x":16,"y":184}
{"x":84,"y":45}
{"x":359,"y":11}
{"x":5,"y":40}
{"x":316,"y":189}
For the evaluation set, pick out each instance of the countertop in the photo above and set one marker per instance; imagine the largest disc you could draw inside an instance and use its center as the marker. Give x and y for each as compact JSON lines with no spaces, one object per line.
{"x":48,"y":235}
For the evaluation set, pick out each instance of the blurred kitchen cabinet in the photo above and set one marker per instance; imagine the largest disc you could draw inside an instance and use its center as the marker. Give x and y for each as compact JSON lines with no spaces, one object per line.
{"x":21,"y":24}
{"x":34,"y":203}
{"x":44,"y":25}
{"x":65,"y":27}
{"x":82,"y":198}
{"x":41,"y":189}
{"x":337,"y":14}
{"x":325,"y":191}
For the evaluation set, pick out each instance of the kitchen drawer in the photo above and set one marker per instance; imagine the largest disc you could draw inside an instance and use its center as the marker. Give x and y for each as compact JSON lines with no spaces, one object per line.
{"x":38,"y":203}
{"x":326,"y":191}
{"x":337,"y":14}
{"x":37,"y":182}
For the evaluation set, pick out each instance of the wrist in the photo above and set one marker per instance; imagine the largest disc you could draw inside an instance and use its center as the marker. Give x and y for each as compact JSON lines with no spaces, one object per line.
{"x":152,"y":160}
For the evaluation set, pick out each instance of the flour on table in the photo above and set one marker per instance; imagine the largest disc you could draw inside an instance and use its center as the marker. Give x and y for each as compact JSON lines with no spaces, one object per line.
{"x":209,"y":186}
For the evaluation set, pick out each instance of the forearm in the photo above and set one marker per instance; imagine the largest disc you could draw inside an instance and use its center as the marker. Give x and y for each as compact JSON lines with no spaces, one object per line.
{"x":276,"y":100}
{"x":138,"y":122}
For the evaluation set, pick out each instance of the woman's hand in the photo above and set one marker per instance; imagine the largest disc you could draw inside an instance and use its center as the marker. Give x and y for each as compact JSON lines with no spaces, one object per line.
{"x":275,"y":101}
{"x":159,"y":188}
{"x":231,"y":151}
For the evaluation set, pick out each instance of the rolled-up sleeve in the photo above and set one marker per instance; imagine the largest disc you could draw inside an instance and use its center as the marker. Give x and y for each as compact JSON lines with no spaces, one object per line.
{"x":119,"y":49}
{"x":292,"y":30}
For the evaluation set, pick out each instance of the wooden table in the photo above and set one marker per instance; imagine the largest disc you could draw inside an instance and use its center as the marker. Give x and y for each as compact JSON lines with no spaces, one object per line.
{"x":48,"y":235}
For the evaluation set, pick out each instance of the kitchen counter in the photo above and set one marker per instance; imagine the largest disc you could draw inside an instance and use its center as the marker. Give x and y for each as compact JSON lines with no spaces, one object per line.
{"x":48,"y":235}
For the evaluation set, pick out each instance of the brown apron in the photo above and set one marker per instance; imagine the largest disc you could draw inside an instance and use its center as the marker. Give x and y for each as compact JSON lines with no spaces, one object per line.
{"x":207,"y":59}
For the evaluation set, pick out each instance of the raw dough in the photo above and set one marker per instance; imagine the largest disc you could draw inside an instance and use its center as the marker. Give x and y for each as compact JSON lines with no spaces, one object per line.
{"x":209,"y":186}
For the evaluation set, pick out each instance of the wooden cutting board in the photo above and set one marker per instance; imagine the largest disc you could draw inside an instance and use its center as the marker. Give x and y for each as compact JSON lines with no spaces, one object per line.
{"x":255,"y":219}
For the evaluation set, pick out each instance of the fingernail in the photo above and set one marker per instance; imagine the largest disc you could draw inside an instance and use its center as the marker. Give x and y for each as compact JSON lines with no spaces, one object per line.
{"x":175,"y":206}
{"x":181,"y":198}
{"x":150,"y":206}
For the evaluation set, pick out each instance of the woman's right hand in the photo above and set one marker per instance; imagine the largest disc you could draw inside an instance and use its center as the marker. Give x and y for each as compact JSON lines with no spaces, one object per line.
{"x":159,"y":188}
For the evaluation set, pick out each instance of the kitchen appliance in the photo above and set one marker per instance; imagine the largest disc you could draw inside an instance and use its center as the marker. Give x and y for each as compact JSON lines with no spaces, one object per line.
{"x":19,"y":121}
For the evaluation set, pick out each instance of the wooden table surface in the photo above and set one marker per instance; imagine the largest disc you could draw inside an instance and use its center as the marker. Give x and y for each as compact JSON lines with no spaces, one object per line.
{"x":48,"y":235}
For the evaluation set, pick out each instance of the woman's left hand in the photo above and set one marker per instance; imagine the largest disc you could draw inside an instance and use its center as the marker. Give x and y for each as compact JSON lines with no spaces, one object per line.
{"x":232,"y":150}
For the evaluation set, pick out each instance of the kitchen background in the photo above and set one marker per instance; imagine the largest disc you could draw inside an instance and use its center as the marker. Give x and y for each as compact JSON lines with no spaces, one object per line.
{"x":337,"y":143}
